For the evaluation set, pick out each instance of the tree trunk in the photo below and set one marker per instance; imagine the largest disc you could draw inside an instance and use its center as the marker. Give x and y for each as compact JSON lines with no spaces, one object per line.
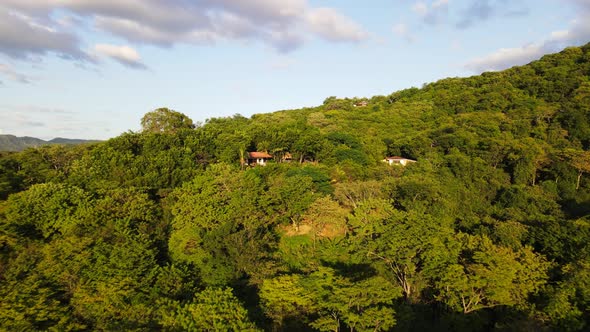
{"x":578,"y":182}
{"x":242,"y":160}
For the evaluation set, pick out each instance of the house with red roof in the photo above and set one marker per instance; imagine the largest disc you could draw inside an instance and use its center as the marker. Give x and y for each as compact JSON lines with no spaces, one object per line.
{"x":257,"y":158}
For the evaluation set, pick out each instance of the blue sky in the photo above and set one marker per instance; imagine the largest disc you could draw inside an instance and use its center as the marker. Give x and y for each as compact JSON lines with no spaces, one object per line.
{"x":92,"y":68}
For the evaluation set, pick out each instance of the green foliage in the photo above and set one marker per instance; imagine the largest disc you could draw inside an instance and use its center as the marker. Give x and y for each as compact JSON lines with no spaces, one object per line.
{"x":409,"y":248}
{"x":334,"y":300}
{"x":32,"y":302}
{"x":164,"y":120}
{"x":319,"y":177}
{"x":213,"y":309}
{"x":220,"y":224}
{"x":10,"y":181}
{"x":45,"y":209}
{"x":167,"y":229}
{"x":487,"y":275}
{"x":361,"y":305}
{"x":568,"y":301}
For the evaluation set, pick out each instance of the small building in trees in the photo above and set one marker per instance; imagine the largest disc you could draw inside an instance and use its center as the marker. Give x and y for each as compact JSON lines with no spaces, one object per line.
{"x":396,"y":160}
{"x":361,"y":103}
{"x":258,"y":158}
{"x":287,"y":158}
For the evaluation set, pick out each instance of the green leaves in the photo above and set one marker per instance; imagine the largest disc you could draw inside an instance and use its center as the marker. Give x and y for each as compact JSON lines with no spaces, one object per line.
{"x":336,"y":301}
{"x":213,"y":309}
{"x":222,"y":223}
{"x":410,"y":248}
{"x":164,"y":120}
{"x":46,"y":209}
{"x":163,"y":229}
{"x":487,"y":275}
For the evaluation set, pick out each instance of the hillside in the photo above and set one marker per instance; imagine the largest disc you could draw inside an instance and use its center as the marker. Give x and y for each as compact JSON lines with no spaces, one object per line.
{"x":489,"y":230}
{"x":13,"y":143}
{"x":61,"y":140}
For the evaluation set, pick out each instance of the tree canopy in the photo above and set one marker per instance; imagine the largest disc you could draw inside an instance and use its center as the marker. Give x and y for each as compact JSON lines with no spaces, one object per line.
{"x":164,"y":120}
{"x":166,"y":229}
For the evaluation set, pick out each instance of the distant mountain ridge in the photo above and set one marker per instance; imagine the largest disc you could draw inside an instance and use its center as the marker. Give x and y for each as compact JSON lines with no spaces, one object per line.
{"x":14,"y":143}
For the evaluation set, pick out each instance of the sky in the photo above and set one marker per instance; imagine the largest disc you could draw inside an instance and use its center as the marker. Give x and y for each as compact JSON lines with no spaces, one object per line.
{"x":92,"y":68}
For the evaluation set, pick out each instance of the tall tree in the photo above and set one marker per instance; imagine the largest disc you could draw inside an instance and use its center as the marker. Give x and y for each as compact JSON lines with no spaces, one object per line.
{"x":580,"y":160}
{"x":487,"y":275}
{"x":165,"y":120}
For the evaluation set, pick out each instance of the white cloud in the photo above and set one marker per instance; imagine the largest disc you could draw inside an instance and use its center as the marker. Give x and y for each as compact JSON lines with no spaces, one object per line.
{"x":125,"y":55}
{"x":584,"y":5}
{"x":578,"y":33}
{"x":434,"y":13}
{"x":331,"y":25}
{"x":282,"y":24}
{"x":13,"y":75}
{"x":464,"y":14}
{"x":482,"y":10}
{"x":22,"y":37}
{"x":505,"y":58}
{"x":133,"y":31}
{"x":264,"y":10}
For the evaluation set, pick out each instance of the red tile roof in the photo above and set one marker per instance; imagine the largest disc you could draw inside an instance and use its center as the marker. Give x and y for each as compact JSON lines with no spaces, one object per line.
{"x":256,"y":155}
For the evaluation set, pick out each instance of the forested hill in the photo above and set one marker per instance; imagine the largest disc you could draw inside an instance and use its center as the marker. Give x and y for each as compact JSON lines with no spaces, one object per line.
{"x":169,"y":229}
{"x":13,"y":143}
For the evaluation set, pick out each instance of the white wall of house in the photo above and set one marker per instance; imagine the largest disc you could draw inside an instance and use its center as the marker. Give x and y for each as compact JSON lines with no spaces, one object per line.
{"x":402,"y":162}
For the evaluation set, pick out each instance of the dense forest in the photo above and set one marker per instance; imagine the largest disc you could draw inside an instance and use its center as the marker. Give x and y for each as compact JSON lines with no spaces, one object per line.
{"x":167,"y":229}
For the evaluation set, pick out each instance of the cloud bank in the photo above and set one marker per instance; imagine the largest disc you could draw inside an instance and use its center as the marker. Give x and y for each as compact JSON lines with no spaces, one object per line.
{"x":483,"y":10}
{"x":578,"y":33}
{"x":32,"y":29}
{"x":23,"y":37}
{"x":459,"y":15}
